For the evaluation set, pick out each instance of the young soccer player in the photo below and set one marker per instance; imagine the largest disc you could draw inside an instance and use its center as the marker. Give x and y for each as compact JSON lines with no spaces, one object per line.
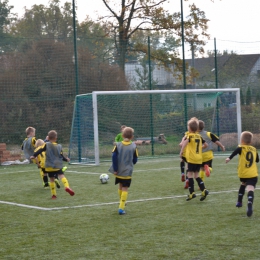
{"x":207,"y":153}
{"x":53,"y":162}
{"x":28,"y":144}
{"x":40,"y":160}
{"x":124,"y":156}
{"x":119,"y":137}
{"x":184,"y":177}
{"x":194,"y":143}
{"x":247,"y":170}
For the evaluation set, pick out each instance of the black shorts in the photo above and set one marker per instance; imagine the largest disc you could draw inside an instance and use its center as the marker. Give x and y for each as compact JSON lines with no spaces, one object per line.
{"x":192,"y":167}
{"x":125,"y":182}
{"x":249,"y":181}
{"x":54,"y":174}
{"x":209,"y":163}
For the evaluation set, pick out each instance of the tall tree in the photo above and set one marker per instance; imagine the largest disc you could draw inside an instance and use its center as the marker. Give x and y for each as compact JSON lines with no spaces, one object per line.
{"x":142,"y":81}
{"x":6,"y":18}
{"x":150,"y":15}
{"x":52,"y":22}
{"x":95,"y":36}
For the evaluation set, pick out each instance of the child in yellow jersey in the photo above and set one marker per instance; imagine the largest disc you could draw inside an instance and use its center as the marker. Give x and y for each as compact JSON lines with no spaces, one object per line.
{"x":194,"y":143}
{"x":207,"y":153}
{"x":53,"y":162}
{"x":184,"y":177}
{"x":40,"y":160}
{"x":247,"y":170}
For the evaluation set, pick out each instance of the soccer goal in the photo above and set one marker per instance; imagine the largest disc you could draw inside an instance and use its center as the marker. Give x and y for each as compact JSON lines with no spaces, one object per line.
{"x":159,"y":119}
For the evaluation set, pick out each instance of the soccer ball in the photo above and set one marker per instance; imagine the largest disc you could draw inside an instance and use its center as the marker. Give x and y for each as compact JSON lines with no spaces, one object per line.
{"x":104,"y":178}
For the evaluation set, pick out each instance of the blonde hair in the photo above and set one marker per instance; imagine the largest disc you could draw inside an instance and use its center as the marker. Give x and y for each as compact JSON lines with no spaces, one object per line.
{"x":201,"y":125}
{"x":39,"y":142}
{"x":52,"y":135}
{"x":128,"y":132}
{"x":193,"y":124}
{"x":246,"y":137}
{"x":29,"y":130}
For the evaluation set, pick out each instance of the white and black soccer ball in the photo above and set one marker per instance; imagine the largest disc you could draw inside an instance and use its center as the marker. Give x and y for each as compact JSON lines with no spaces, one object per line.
{"x":104,"y":178}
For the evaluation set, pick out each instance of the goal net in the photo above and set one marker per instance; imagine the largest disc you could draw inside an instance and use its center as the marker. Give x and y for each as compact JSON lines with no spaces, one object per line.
{"x":159,"y":119}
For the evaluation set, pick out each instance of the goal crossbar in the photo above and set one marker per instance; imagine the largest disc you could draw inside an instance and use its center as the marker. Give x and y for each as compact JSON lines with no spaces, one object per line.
{"x":97,"y":115}
{"x":139,"y":92}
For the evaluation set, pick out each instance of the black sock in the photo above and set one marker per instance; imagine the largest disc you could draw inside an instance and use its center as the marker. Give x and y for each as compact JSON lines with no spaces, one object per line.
{"x":241,"y":193}
{"x":200,"y":183}
{"x":191,"y":185}
{"x":250,"y":197}
{"x":45,"y":179}
{"x":182,"y":165}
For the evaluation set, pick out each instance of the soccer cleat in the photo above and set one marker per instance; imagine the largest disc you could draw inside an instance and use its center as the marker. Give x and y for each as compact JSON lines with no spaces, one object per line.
{"x":57,"y":183}
{"x":64,"y":168}
{"x":70,"y":191}
{"x":183,"y":177}
{"x":249,"y":209}
{"x":121,"y":212}
{"x":207,"y":170}
{"x":186,"y":186}
{"x":54,"y":197}
{"x":239,"y":204}
{"x":204,"y":194}
{"x":46,"y":185}
{"x":191,"y":196}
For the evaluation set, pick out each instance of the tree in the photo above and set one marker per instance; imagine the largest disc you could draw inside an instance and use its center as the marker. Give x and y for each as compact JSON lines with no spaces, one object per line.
{"x":6,"y":18}
{"x":52,"y":22}
{"x":95,"y":37}
{"x":149,"y":15}
{"x":143,"y":81}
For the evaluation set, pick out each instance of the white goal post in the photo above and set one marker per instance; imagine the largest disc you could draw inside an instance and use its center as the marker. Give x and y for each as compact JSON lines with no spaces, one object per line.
{"x":156,"y":111}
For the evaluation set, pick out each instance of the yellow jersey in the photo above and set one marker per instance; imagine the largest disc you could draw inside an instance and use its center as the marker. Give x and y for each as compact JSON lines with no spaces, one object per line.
{"x":194,"y":148}
{"x":247,"y":167}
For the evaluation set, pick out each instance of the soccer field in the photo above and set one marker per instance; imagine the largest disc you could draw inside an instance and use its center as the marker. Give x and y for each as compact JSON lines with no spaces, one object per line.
{"x":159,"y":224}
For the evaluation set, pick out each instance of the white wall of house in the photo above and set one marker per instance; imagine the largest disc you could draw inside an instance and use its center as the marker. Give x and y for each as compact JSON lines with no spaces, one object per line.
{"x":159,"y":74}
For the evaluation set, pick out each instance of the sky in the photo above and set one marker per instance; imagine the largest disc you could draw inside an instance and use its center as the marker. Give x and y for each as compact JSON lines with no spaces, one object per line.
{"x":233,"y":23}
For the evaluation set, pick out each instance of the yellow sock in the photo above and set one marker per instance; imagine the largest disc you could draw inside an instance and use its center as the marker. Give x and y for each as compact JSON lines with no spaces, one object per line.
{"x":41,"y":173}
{"x":202,"y":175}
{"x":123,"y":199}
{"x":65,"y":182}
{"x":210,"y":169}
{"x":120,"y":194}
{"x":53,"y":188}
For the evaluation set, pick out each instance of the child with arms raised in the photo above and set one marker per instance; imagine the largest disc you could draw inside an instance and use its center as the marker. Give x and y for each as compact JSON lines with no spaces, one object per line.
{"x":194,"y":144}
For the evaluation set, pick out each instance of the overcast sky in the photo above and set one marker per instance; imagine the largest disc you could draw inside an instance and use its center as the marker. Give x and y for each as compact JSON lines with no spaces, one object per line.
{"x":234,"y":23}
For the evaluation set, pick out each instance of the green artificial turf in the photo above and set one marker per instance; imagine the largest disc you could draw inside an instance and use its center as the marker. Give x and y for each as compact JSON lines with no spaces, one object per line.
{"x":159,"y":224}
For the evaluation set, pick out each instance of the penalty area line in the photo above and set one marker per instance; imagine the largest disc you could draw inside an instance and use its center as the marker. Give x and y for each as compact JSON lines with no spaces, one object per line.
{"x":107,"y":203}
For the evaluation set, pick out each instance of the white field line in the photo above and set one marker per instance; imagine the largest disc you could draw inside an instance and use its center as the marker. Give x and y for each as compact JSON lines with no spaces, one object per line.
{"x":105,"y":204}
{"x":97,"y":173}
